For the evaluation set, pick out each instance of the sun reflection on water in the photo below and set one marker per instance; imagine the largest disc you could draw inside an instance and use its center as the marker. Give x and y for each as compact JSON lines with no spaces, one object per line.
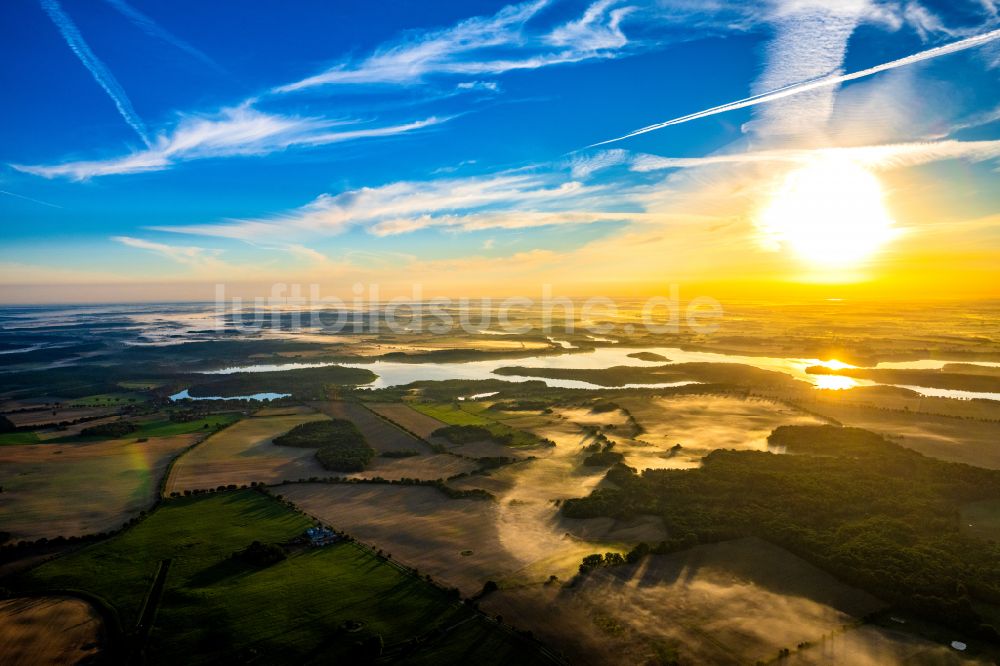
{"x":835,"y":382}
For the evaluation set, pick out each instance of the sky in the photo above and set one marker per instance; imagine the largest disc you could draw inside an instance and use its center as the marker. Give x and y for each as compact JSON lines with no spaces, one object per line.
{"x":152,"y":150}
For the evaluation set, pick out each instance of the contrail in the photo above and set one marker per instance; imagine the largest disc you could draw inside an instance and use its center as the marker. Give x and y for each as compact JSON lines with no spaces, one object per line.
{"x":21,"y":196}
{"x":822,"y":82}
{"x":152,"y":28}
{"x":93,"y":64}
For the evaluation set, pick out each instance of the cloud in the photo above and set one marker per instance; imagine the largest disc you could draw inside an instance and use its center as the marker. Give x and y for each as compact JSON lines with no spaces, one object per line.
{"x":510,"y":200}
{"x":97,"y":69}
{"x":236,"y":131}
{"x":152,"y":28}
{"x":810,"y":41}
{"x":308,"y":253}
{"x":482,"y":45}
{"x":582,"y":166}
{"x":196,"y":257}
{"x":815,"y":84}
{"x":878,"y":158}
{"x":491,"y":86}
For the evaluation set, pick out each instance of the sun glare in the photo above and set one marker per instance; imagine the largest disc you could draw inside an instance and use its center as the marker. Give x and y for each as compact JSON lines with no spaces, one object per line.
{"x":830,"y":214}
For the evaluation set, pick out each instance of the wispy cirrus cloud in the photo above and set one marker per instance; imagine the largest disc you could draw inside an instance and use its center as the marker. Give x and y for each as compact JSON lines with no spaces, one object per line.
{"x":193,"y":256}
{"x":801,"y":87}
{"x":152,"y":28}
{"x":505,"y":200}
{"x":242,"y":130}
{"x":103,"y":76}
{"x":483,"y":45}
{"x":877,"y":158}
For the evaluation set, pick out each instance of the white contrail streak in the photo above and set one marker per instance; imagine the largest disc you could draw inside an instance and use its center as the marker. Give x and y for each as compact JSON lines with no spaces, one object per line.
{"x":93,"y":64}
{"x":804,"y":86}
{"x":152,"y":28}
{"x":21,"y":196}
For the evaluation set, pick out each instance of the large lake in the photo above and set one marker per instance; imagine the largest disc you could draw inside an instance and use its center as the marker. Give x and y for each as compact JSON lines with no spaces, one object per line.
{"x":395,"y":373}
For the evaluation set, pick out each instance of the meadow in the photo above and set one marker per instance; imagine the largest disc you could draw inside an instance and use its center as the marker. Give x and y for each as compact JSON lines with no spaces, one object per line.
{"x":313,"y":606}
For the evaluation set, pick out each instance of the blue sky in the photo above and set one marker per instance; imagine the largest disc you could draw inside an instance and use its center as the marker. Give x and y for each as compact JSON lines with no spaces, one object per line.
{"x":190,"y":143}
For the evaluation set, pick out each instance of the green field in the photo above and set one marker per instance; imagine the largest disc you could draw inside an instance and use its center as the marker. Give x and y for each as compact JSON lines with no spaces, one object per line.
{"x":106,"y":399}
{"x":168,"y":428}
{"x":473,"y":414}
{"x":18,"y":438}
{"x":450,"y":413}
{"x":217,"y":609}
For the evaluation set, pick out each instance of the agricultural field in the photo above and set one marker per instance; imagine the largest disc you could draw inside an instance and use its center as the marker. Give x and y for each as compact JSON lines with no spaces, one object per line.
{"x":424,"y":467}
{"x":48,"y":630}
{"x":244,"y":452}
{"x":735,"y":602}
{"x":311,"y":607}
{"x":66,"y":490}
{"x":948,"y":437}
{"x":704,"y":423}
{"x":381,"y":435}
{"x":450,"y":413}
{"x":418,"y":525}
{"x":404,"y":415}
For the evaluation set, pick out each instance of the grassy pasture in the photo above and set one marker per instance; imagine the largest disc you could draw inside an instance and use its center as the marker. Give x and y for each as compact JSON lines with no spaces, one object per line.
{"x":108,"y":399}
{"x":243,"y":453}
{"x":71,"y":489}
{"x":10,"y":438}
{"x":474,"y":414}
{"x":215,"y":609}
{"x":48,"y":630}
{"x":450,"y":413}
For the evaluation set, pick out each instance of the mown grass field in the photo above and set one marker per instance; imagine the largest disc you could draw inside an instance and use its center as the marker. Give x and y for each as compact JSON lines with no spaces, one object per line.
{"x":474,"y":414}
{"x":108,"y":399}
{"x":449,"y":413}
{"x":217,"y":609}
{"x":12,"y":438}
{"x":168,"y":428}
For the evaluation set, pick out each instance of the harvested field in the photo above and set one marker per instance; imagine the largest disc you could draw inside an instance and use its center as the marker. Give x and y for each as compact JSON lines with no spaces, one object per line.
{"x":871,"y":645}
{"x":429,"y":468}
{"x":703,"y":423}
{"x":976,"y":442}
{"x":420,"y":526}
{"x":73,"y":489}
{"x":381,"y":435}
{"x":48,"y":630}
{"x":243,"y":453}
{"x":407,"y":417}
{"x":729,"y":603}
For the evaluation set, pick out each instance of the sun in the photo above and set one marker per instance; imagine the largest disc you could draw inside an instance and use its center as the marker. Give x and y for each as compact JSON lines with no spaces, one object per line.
{"x":831,"y":214}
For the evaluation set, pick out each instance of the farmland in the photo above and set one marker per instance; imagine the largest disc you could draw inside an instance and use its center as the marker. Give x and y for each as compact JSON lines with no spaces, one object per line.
{"x":243,"y":453}
{"x":48,"y":630}
{"x":66,"y":490}
{"x":293,"y":611}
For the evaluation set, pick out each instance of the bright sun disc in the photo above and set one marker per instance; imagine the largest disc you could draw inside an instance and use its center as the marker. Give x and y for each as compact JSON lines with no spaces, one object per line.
{"x":830,"y":213}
